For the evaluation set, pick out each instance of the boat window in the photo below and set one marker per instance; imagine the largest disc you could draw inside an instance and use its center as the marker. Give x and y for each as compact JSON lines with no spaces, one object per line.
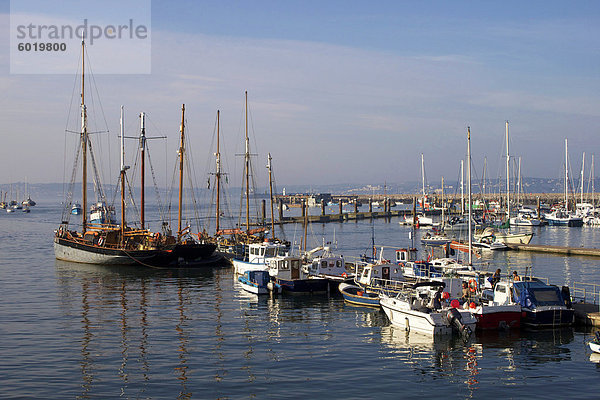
{"x":283,"y":264}
{"x":500,"y":288}
{"x":323,"y":264}
{"x":295,"y":264}
{"x":271,"y":251}
{"x":262,"y":251}
{"x":547,"y":297}
{"x":315,"y":264}
{"x":395,"y":270}
{"x":338,"y":263}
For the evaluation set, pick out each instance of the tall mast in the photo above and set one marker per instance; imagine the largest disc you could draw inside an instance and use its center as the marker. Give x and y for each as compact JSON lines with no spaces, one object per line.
{"x":247,"y":167}
{"x":566,"y":175}
{"x":423,"y":182}
{"x":269,"y":167}
{"x":443,"y":204}
{"x":218,"y":173}
{"x":181,"y":155}
{"x":462,"y":187}
{"x":582,"y":170}
{"x":507,"y":176}
{"x":469,"y":188}
{"x":519,"y":183}
{"x":592,"y":174}
{"x":143,"y":166}
{"x":123,"y":169}
{"x":84,"y":141}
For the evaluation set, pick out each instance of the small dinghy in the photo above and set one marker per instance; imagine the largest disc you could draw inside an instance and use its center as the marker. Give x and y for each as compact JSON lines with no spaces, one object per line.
{"x":595,"y":344}
{"x":358,"y":295}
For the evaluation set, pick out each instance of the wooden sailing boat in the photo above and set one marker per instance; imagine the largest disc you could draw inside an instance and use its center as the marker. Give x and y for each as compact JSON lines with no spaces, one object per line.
{"x":106,"y":243}
{"x":188,"y":250}
{"x":252,"y":248}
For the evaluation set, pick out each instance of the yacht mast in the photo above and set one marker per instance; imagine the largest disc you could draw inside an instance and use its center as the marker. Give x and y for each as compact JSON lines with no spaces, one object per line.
{"x":582,"y":170}
{"x":462,"y":187}
{"x":84,"y":142}
{"x":423,"y":183}
{"x":143,"y":166}
{"x":181,"y":154}
{"x":566,"y":175}
{"x":247,"y":168}
{"x":507,"y":176}
{"x":123,"y":169}
{"x":469,"y":188}
{"x":218,"y":173}
{"x":269,"y":167}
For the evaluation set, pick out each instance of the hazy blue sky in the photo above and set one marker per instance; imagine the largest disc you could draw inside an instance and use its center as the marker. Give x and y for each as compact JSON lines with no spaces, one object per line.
{"x":339,"y":91}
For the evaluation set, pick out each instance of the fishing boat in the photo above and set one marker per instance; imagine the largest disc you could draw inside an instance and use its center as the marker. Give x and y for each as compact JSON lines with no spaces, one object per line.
{"x":76,"y":209}
{"x":412,"y":308}
{"x":289,"y":276}
{"x":595,"y":343}
{"x":328,"y":265}
{"x":358,"y":295}
{"x":258,"y":255}
{"x":256,"y":282}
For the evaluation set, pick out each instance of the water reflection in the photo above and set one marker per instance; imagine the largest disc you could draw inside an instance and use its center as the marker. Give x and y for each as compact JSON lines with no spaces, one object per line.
{"x":113,"y":312}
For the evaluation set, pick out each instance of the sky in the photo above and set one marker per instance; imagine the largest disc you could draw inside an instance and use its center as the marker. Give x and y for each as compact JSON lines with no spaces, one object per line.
{"x":338,"y":91}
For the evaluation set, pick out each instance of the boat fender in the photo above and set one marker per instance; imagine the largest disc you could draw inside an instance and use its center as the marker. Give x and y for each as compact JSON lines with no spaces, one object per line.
{"x":472,"y":285}
{"x":100,"y":241}
{"x":344,"y":275}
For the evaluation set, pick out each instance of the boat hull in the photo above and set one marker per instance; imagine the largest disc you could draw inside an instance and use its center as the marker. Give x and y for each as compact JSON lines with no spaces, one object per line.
{"x":574,"y":222}
{"x":357,"y":295}
{"x":302,"y":286}
{"x":241,"y":267}
{"x":434,"y":323}
{"x":252,"y":287}
{"x":498,"y":317}
{"x":523,"y":238}
{"x":72,"y":251}
{"x":548,"y":317}
{"x":595,"y":347}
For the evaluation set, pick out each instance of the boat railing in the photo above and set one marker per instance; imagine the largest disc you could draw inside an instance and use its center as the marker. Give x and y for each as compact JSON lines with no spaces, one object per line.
{"x":586,"y":292}
{"x":390,"y":285}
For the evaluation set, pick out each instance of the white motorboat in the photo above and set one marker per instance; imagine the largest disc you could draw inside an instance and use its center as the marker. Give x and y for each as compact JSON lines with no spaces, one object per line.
{"x":412,"y":309}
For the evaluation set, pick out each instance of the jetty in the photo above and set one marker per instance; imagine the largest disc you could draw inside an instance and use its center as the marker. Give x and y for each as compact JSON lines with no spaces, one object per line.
{"x":562,"y":250}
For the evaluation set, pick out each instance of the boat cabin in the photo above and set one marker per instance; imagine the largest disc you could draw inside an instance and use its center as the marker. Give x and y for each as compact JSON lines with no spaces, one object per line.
{"x":328,"y":265}
{"x":260,"y":252}
{"x":380,"y":274}
{"x":405,"y":255}
{"x":286,"y":268}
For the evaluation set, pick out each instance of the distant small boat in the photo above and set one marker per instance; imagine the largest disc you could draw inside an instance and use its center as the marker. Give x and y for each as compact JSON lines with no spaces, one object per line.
{"x":358,"y":295}
{"x":76,"y":209}
{"x":256,"y":282}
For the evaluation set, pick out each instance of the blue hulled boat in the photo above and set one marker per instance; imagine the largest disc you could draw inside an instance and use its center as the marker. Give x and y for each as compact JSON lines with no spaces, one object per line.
{"x":358,"y":295}
{"x":256,"y":282}
{"x":544,"y":305}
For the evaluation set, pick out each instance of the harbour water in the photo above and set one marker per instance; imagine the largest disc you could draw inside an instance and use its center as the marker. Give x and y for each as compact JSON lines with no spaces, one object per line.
{"x":81,"y":331}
